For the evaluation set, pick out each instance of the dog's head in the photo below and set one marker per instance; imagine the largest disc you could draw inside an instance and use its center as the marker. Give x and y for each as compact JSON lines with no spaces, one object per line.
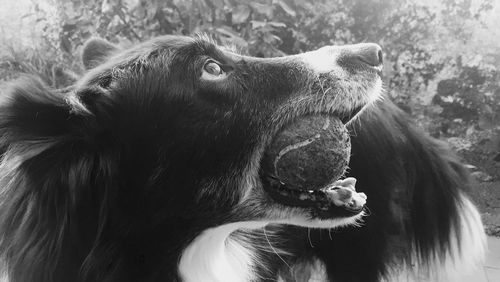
{"x":165,"y":136}
{"x":198,"y":117}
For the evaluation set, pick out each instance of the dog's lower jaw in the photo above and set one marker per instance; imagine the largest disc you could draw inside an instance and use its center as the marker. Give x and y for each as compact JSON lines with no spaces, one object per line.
{"x":356,"y":220}
{"x":214,"y":256}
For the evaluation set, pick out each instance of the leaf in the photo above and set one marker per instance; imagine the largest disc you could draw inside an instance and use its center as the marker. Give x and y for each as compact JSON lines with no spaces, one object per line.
{"x":106,"y":7}
{"x":228,"y":36}
{"x":286,"y":7}
{"x":219,"y":4}
{"x":277,"y":24}
{"x":272,"y":39}
{"x":258,"y":24}
{"x":240,"y":14}
{"x":65,"y":44}
{"x":205,"y":11}
{"x":263,"y":9}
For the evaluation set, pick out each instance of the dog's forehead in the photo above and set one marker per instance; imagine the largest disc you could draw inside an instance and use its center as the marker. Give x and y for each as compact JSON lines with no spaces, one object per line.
{"x":157,"y":52}
{"x":199,"y":44}
{"x":171,"y":41}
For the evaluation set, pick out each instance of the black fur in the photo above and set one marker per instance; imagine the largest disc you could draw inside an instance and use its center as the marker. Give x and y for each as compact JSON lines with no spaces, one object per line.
{"x":111,"y":181}
{"x":412,"y":182}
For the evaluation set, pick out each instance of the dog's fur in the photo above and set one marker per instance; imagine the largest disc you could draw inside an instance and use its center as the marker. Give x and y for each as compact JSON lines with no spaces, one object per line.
{"x":149,"y":170}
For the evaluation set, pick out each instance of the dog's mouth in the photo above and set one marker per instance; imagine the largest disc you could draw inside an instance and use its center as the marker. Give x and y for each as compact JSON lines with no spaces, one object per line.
{"x":329,"y":99}
{"x":339,"y":199}
{"x":333,"y":200}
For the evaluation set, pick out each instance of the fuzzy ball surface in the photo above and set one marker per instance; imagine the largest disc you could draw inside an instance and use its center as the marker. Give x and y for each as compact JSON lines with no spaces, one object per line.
{"x":310,"y":153}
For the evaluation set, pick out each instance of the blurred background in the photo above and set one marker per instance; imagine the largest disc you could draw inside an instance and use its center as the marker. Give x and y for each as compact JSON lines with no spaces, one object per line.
{"x":442,"y":58}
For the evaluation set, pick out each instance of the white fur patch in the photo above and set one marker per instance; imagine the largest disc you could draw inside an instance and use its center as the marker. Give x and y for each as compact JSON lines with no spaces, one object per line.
{"x":318,"y":272}
{"x":464,"y":257}
{"x":323,"y":60}
{"x":216,"y":257}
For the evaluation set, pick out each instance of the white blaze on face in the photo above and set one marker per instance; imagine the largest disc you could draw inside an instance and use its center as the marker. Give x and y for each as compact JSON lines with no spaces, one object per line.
{"x":323,"y":60}
{"x":351,"y":89}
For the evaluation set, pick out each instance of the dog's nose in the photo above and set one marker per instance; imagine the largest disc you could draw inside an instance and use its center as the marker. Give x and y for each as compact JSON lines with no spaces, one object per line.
{"x":367,"y":53}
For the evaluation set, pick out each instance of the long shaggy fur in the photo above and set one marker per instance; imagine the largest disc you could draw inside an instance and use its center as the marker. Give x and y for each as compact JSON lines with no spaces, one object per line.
{"x":120,"y":178}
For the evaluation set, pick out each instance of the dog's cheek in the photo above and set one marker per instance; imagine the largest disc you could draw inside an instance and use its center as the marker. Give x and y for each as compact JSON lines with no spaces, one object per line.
{"x":220,"y":94}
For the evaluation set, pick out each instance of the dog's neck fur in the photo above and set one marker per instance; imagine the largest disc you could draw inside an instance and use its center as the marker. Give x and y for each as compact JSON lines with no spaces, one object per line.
{"x":216,"y":256}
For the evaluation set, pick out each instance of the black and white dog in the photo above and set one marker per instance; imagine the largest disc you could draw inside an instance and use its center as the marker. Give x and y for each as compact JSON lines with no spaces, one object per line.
{"x":149,"y":170}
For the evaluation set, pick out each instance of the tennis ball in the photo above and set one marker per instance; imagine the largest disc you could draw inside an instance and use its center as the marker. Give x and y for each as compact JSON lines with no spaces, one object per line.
{"x":309,"y":153}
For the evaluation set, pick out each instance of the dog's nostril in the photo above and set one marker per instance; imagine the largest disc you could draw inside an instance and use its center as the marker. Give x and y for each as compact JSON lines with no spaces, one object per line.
{"x":366,"y":53}
{"x":370,"y":54}
{"x":380,"y":57}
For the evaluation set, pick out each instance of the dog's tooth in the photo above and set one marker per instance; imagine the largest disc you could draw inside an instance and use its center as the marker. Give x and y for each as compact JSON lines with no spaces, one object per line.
{"x":337,"y":183}
{"x":324,"y":207}
{"x":332,"y":188}
{"x":357,"y":201}
{"x":303,"y":196}
{"x":349,"y":181}
{"x":340,"y":197}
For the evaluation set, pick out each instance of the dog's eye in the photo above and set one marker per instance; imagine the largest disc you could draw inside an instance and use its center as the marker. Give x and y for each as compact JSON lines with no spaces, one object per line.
{"x":212,"y":70}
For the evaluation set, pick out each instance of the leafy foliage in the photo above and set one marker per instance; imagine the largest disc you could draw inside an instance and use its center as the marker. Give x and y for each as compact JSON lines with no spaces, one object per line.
{"x":428,"y":47}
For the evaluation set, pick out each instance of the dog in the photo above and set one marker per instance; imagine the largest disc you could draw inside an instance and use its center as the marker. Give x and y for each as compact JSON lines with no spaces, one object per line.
{"x":149,"y":169}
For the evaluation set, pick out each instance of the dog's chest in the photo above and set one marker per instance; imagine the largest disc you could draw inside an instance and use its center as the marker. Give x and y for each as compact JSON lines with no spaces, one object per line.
{"x":214,"y":256}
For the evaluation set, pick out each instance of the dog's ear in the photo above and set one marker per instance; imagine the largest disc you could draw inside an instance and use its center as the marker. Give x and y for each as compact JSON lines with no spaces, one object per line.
{"x":96,"y":51}
{"x":52,"y":176}
{"x":30,"y":112}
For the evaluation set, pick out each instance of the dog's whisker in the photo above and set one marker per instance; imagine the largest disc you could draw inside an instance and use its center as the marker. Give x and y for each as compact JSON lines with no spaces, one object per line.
{"x":309,"y":237}
{"x":367,"y":210}
{"x":274,"y":250}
